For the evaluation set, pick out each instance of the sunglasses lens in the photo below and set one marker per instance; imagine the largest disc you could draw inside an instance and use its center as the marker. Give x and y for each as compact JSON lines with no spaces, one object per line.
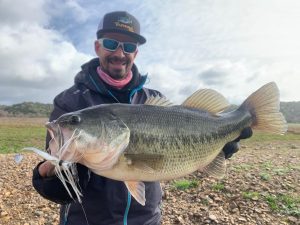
{"x":129,"y":47}
{"x":110,"y":44}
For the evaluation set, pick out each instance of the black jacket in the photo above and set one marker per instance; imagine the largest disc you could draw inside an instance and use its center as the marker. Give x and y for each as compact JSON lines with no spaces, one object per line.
{"x":104,"y":201}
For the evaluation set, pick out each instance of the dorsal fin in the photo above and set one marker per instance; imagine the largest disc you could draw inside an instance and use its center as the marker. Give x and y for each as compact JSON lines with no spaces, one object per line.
{"x":208,"y":100}
{"x":157,"y":100}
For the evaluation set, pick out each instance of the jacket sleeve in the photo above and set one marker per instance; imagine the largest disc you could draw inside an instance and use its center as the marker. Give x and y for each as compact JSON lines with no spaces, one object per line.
{"x":52,"y":188}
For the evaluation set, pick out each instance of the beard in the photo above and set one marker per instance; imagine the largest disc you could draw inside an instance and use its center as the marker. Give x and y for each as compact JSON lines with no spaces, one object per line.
{"x":116,"y":67}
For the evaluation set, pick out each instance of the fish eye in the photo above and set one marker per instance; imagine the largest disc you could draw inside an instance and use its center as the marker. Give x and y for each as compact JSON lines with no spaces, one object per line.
{"x":75,"y":119}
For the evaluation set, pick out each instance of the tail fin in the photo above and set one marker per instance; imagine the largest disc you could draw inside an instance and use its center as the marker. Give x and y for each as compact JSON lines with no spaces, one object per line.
{"x":264,"y":107}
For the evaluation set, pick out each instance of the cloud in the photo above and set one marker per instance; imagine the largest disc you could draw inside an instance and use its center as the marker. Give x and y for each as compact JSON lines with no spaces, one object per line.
{"x":232,"y":47}
{"x":13,"y":12}
{"x":66,"y":15}
{"x":35,"y":60}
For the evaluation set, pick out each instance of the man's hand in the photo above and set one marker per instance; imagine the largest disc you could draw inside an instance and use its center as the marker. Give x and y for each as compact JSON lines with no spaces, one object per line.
{"x":233,"y":146}
{"x":46,"y":169}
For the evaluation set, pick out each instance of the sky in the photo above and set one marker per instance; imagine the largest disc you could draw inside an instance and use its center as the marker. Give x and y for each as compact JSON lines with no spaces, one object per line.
{"x":233,"y":47}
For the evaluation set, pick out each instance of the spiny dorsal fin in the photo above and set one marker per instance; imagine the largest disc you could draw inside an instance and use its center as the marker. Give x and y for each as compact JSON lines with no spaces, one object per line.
{"x":157,"y":100}
{"x":208,"y":100}
{"x":217,"y":168}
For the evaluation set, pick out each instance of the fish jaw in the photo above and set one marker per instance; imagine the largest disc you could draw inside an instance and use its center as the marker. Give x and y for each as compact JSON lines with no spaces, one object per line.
{"x":56,"y":141}
{"x":63,"y":142}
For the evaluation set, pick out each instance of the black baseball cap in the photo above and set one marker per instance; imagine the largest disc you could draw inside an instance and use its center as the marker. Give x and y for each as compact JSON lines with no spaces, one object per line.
{"x":120,"y":22}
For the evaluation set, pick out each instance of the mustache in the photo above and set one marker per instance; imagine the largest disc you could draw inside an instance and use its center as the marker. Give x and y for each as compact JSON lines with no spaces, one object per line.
{"x":116,"y":59}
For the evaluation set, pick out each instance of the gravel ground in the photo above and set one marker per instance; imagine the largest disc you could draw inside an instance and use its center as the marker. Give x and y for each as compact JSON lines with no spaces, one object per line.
{"x":260,"y":176}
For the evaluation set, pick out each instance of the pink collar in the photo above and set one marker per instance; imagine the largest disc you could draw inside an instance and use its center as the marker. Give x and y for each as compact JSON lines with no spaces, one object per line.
{"x":119,"y":84}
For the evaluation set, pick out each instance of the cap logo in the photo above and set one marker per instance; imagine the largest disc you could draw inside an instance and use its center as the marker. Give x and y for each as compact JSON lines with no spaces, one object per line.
{"x":125,"y":23}
{"x":125,"y":20}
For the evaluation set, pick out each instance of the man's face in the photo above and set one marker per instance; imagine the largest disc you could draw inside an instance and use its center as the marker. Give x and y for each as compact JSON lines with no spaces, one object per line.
{"x":116,"y":63}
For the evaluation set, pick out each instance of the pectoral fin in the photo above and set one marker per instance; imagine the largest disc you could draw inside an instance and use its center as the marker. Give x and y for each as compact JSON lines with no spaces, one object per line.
{"x":137,"y":190}
{"x":149,"y":163}
{"x":217,"y":168}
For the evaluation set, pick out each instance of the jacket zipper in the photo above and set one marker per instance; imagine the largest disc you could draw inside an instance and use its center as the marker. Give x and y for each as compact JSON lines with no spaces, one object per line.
{"x":130,"y":99}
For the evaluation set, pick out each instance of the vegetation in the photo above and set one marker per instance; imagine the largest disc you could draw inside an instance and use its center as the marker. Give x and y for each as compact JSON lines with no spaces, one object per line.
{"x":26,"y":109}
{"x":185,"y":184}
{"x":284,"y":203}
{"x":242,"y":167}
{"x":291,"y":110}
{"x":265,"y":176}
{"x":253,"y":195}
{"x":260,"y":136}
{"x":218,"y":186}
{"x":17,"y":133}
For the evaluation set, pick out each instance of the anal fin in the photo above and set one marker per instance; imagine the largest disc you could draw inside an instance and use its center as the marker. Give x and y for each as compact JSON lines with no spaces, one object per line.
{"x":217,"y":168}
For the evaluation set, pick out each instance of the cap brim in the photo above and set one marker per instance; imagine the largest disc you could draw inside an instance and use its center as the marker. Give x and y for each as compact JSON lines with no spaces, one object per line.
{"x":140,"y":39}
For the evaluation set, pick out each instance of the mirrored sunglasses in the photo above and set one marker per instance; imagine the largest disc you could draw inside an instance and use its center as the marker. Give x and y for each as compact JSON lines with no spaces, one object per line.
{"x":113,"y":45}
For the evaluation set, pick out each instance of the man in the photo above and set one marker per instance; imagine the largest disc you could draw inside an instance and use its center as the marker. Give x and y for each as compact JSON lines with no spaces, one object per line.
{"x":111,"y":78}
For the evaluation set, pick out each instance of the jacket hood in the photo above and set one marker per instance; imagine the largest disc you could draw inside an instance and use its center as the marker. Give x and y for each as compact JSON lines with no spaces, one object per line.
{"x":89,"y":77}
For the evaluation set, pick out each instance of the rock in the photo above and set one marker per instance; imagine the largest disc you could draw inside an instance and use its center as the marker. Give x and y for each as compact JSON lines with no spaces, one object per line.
{"x":38,"y":213}
{"x":179,"y":220}
{"x":242,"y":219}
{"x":212,"y":217}
{"x":3,"y":214}
{"x":294,"y":219}
{"x":165,"y":194}
{"x":235,"y":210}
{"x":202,"y":205}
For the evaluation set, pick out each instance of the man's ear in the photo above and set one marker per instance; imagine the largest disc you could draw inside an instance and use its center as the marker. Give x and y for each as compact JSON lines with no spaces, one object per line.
{"x":97,"y":47}
{"x":136,"y":52}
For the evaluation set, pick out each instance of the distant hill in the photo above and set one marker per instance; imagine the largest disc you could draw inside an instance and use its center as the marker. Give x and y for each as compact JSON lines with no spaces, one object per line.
{"x":291,"y":110}
{"x":26,"y":109}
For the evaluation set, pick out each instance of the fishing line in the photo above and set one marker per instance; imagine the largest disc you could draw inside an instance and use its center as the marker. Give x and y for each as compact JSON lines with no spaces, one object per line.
{"x":84,"y":213}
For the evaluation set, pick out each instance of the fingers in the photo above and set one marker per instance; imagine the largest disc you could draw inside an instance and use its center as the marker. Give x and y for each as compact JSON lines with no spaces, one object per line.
{"x":230,"y":148}
{"x":246,"y":133}
{"x":46,"y":169}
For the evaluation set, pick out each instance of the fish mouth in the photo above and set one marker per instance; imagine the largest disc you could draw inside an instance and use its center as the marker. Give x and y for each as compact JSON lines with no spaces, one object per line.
{"x":56,"y":134}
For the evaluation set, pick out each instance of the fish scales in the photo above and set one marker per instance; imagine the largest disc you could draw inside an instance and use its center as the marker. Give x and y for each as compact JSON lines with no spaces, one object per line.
{"x":183,"y":139}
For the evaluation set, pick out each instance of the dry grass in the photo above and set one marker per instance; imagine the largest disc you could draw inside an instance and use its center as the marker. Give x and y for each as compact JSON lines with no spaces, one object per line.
{"x":22,"y":121}
{"x":294,"y":128}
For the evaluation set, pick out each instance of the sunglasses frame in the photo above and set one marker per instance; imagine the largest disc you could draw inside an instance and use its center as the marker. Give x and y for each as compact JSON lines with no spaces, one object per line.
{"x":100,"y":40}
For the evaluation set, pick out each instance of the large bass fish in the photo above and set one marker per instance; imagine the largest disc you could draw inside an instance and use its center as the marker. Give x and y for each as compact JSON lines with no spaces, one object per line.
{"x":157,"y":140}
